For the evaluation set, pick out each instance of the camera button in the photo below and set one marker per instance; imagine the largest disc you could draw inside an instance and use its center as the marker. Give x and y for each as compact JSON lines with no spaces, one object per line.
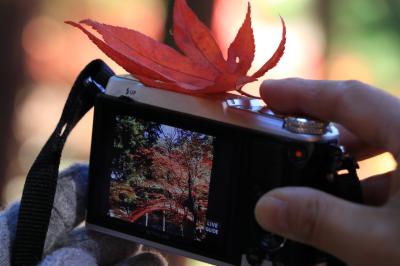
{"x":302,"y":125}
{"x":271,"y":242}
{"x":254,"y":256}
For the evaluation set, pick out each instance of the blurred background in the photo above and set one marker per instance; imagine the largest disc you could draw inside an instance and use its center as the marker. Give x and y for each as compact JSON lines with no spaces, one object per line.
{"x":41,"y":56}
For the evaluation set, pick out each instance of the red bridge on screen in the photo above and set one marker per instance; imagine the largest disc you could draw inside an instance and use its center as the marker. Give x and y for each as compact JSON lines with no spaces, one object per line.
{"x":160,"y":205}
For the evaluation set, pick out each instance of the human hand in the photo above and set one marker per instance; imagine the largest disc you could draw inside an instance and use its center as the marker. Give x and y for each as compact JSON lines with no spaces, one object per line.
{"x":66,"y":242}
{"x":369,"y":123}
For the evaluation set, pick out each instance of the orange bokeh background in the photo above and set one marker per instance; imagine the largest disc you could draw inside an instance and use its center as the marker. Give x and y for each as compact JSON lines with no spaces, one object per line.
{"x":317,"y":48}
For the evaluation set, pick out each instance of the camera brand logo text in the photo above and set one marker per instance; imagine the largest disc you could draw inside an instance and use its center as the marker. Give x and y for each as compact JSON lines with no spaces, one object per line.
{"x":130,"y":92}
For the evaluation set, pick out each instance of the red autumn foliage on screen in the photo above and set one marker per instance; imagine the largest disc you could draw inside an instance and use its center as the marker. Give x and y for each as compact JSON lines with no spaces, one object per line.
{"x":198,"y":68}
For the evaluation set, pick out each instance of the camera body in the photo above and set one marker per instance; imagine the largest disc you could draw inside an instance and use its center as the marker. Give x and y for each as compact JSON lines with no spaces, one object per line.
{"x":183,"y":173}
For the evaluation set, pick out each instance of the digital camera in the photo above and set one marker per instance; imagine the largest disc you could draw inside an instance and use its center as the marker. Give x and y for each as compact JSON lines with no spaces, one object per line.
{"x":183,"y":173}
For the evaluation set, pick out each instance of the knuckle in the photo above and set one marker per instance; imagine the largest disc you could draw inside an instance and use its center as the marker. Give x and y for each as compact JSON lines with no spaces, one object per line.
{"x":349,"y":90}
{"x":344,"y":95}
{"x":294,"y":80}
{"x":351,"y":84}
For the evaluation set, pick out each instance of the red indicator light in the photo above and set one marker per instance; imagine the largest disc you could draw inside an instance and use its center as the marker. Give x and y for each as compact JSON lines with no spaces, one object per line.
{"x":298,"y":154}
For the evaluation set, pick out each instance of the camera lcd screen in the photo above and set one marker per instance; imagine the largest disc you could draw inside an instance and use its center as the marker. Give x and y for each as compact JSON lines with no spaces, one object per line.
{"x":160,"y":178}
{"x":163,"y":179}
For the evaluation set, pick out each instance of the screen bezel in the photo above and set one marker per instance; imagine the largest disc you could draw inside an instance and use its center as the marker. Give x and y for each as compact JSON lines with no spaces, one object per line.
{"x":106,"y":108}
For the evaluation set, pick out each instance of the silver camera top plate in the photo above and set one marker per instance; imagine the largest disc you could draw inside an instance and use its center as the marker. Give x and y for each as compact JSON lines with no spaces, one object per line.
{"x":226,"y":108}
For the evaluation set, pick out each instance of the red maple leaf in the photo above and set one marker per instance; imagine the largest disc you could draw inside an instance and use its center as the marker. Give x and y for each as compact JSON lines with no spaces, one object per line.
{"x":199,"y":68}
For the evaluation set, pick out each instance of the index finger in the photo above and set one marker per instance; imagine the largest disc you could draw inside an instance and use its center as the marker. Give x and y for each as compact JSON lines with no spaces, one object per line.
{"x":357,"y":148}
{"x":367,"y":112}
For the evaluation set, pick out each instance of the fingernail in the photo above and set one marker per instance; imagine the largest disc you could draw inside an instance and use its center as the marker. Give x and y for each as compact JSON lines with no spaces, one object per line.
{"x":271,"y":214}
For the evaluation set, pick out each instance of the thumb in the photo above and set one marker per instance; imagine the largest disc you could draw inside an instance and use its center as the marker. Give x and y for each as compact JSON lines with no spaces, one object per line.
{"x":344,"y":229}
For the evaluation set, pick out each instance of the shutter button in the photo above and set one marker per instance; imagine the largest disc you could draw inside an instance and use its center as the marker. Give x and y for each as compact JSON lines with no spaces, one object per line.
{"x":302,"y":125}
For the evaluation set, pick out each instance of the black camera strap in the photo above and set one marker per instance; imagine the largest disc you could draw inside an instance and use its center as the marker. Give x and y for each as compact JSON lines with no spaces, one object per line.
{"x":41,"y":181}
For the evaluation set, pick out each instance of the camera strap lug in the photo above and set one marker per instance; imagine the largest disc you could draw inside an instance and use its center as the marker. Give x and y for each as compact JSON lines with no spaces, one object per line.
{"x":41,"y":181}
{"x":346,"y":183}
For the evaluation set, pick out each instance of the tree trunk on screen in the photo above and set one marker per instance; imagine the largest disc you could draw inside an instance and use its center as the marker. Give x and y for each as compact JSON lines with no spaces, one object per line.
{"x":204,"y":10}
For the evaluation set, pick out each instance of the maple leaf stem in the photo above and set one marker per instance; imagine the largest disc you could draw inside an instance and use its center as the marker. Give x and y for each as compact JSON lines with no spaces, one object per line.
{"x":247,"y":94}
